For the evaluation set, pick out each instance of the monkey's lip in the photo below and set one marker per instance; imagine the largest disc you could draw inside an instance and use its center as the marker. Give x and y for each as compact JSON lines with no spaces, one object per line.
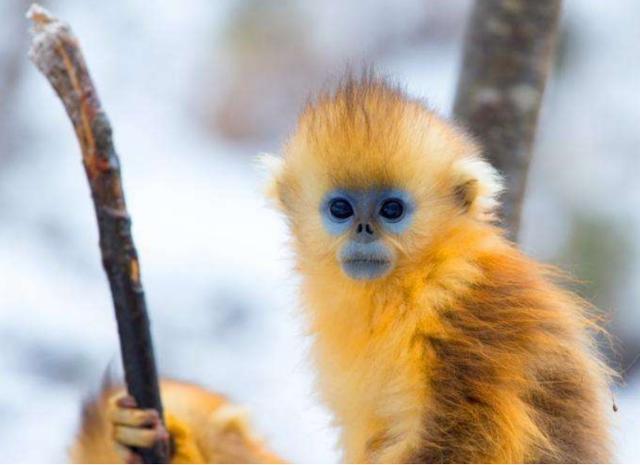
{"x":365,"y":267}
{"x":366,"y":260}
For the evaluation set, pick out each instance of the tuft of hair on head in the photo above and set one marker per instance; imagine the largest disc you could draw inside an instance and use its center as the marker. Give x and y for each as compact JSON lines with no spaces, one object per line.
{"x":354,"y":105}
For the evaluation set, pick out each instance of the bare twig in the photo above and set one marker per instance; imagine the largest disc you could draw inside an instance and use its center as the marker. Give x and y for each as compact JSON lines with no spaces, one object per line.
{"x":56,"y":53}
{"x":506,"y":60}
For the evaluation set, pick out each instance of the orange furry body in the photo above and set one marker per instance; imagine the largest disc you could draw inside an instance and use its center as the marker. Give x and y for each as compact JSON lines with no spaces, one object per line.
{"x":470,"y":361}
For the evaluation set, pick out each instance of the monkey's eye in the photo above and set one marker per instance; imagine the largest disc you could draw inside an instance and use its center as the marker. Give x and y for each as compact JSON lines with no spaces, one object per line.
{"x":340,"y":209}
{"x":392,"y":209}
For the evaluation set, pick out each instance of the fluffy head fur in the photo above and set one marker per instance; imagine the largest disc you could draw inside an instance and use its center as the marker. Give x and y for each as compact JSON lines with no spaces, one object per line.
{"x":466,"y":351}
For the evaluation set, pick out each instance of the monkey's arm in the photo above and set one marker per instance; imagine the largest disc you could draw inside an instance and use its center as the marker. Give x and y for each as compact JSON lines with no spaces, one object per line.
{"x":204,"y":428}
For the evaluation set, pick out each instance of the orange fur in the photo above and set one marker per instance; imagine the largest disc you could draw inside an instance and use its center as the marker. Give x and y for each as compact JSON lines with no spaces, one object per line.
{"x":467,"y":351}
{"x":204,"y":427}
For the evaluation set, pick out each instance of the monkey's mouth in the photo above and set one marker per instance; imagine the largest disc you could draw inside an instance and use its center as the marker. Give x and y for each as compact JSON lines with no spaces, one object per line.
{"x":366,"y":261}
{"x":365,"y":267}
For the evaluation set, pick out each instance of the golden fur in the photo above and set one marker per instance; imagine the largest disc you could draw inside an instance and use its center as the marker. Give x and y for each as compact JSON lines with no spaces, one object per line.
{"x":466,"y":352}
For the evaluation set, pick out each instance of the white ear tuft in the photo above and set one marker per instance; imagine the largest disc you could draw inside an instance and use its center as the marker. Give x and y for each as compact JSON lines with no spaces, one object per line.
{"x":488,"y":185}
{"x":271,"y":165}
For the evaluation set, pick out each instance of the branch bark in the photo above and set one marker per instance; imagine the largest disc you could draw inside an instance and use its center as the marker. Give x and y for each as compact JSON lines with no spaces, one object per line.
{"x":507,"y":54}
{"x":56,"y":53}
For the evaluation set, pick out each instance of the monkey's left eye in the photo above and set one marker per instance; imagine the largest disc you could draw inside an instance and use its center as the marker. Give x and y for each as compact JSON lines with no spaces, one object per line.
{"x":392,"y":209}
{"x":340,"y":209}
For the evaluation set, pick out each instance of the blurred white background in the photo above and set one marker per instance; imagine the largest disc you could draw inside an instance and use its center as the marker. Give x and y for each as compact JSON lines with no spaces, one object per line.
{"x":194,"y":90}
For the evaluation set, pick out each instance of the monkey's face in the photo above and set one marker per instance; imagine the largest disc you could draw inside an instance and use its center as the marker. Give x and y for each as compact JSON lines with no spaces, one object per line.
{"x":362,"y":219}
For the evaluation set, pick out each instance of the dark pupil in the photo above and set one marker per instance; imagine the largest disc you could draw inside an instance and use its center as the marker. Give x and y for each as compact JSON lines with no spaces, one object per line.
{"x":392,"y":209}
{"x":340,"y":209}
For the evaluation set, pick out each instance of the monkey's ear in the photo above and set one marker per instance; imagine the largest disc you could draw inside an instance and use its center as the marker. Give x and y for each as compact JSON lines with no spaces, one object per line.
{"x":465,"y":193}
{"x":272,"y":165}
{"x":477,"y":186}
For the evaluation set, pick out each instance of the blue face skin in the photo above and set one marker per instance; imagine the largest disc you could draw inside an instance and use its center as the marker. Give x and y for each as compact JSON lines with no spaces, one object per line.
{"x":363,"y":215}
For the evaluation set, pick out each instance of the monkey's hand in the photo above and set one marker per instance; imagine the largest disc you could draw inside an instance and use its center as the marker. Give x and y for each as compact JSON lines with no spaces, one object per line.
{"x":142,"y":428}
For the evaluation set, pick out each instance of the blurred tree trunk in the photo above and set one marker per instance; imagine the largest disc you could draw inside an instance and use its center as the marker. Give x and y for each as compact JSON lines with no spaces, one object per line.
{"x":507,"y":54}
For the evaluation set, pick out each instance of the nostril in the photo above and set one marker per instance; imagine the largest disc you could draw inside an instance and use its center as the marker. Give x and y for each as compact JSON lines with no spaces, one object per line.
{"x":369,"y":229}
{"x":359,"y":228}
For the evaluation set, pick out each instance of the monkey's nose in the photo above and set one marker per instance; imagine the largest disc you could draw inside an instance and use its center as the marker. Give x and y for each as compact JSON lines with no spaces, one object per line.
{"x":366,"y":229}
{"x":365,"y":232}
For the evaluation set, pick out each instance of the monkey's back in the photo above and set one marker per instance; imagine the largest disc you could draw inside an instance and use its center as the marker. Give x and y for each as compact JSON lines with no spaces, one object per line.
{"x":517,"y":377}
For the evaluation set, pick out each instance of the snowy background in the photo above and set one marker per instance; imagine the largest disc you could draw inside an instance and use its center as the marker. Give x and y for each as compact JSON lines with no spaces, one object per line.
{"x":194,"y":90}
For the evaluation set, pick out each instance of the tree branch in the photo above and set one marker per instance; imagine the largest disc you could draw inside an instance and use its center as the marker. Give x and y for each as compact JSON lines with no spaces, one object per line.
{"x":56,"y":53}
{"x":507,"y":55}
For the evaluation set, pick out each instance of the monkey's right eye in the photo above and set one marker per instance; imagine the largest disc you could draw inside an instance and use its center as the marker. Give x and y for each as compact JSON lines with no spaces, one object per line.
{"x":340,"y":209}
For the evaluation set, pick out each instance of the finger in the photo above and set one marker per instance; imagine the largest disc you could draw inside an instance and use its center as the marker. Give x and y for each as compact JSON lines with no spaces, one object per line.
{"x":122,"y":451}
{"x":126,"y":401}
{"x":134,"y":417}
{"x":139,"y":437}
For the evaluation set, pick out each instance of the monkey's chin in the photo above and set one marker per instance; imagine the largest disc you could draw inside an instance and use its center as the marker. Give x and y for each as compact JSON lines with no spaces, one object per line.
{"x":366,"y":269}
